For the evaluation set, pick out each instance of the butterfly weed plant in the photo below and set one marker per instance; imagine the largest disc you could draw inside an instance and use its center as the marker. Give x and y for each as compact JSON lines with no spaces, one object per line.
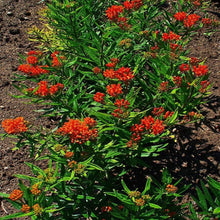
{"x":117,"y":79}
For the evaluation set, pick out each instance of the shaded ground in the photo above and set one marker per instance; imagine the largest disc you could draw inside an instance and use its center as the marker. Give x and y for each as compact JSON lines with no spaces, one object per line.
{"x":197,"y":151}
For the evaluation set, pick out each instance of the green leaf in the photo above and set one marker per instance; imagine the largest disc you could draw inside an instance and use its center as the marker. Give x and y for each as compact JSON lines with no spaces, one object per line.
{"x":155,"y":206}
{"x":4,"y":195}
{"x":147,"y":186}
{"x":92,"y":166}
{"x":216,"y":210}
{"x":202,"y":199}
{"x":17,"y":215}
{"x":125,"y":187}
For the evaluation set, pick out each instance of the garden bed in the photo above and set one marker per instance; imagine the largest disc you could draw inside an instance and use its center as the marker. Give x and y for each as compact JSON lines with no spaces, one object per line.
{"x":194,"y":156}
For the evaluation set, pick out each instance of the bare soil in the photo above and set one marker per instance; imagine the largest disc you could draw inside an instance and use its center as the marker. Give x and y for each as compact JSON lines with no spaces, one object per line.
{"x":196,"y":154}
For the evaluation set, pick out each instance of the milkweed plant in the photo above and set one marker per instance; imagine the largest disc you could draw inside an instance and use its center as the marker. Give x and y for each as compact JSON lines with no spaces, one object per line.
{"x":116,"y":78}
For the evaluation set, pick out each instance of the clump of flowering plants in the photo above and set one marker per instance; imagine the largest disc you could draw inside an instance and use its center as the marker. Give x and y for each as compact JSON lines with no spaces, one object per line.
{"x":116,"y":88}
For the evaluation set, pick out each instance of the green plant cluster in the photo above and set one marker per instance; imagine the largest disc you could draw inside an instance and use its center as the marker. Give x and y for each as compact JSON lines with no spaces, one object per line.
{"x":116,"y":78}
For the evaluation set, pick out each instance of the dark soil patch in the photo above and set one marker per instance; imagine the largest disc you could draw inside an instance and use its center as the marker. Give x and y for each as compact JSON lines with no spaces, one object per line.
{"x":197,"y":151}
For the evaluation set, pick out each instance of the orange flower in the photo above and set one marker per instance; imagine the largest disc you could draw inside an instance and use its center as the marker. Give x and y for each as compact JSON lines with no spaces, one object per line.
{"x":14,"y":126}
{"x":106,"y":209}
{"x":139,"y":202}
{"x":25,"y":208}
{"x":43,"y":89}
{"x":72,"y":164}
{"x":114,"y":11}
{"x":99,"y":97}
{"x":78,"y":131}
{"x":25,"y":68}
{"x":177,"y":80}
{"x":204,"y":84}
{"x":158,"y":111}
{"x":115,"y":60}
{"x":37,"y":209}
{"x":109,"y":73}
{"x":114,"y":90}
{"x":32,"y":60}
{"x":171,"y":36}
{"x":168,"y":114}
{"x":191,"y":20}
{"x":55,"y":88}
{"x":122,"y":103}
{"x":158,"y":127}
{"x":96,"y":70}
{"x":171,"y":188}
{"x":110,"y":65}
{"x":184,"y":67}
{"x":194,"y":60}
{"x":69,"y":154}
{"x":16,"y":194}
{"x":201,"y":70}
{"x":163,"y":86}
{"x":90,"y":122}
{"x":35,"y":191}
{"x":124,"y":74}
{"x":180,"y":16}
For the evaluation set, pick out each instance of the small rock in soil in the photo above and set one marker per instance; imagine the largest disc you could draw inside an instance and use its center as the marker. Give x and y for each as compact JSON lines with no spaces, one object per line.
{"x":14,"y":31}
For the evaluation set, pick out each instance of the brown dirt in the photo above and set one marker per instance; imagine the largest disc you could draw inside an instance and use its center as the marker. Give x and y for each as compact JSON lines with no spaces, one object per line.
{"x":197,"y":151}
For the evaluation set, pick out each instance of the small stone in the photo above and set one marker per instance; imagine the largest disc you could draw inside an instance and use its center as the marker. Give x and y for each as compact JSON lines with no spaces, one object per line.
{"x":9,"y":13}
{"x":14,"y":31}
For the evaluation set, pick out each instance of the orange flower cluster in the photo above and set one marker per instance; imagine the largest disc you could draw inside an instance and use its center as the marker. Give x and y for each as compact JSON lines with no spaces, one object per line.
{"x":37,"y":209}
{"x":194,"y":60}
{"x":25,"y":208}
{"x":114,"y":13}
{"x":78,"y":131}
{"x":191,"y":20}
{"x":171,"y":36}
{"x":123,"y":74}
{"x":43,"y":89}
{"x":139,"y":202}
{"x":106,"y":209}
{"x":135,"y":4}
{"x":34,"y":190}
{"x":122,"y":105}
{"x":148,"y":125}
{"x":14,"y":126}
{"x":90,"y":122}
{"x":96,"y":70}
{"x":154,"y":48}
{"x":56,"y":62}
{"x":177,"y":80}
{"x":173,"y":47}
{"x":99,"y":97}
{"x":32,"y":60}
{"x":114,"y":90}
{"x":16,"y":194}
{"x":31,"y":68}
{"x":171,"y":188}
{"x":163,"y":86}
{"x":158,"y":111}
{"x":168,"y":114}
{"x":72,"y":164}
{"x":201,"y":70}
{"x":180,"y":16}
{"x":204,"y":84}
{"x":68,"y":154}
{"x":184,"y":67}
